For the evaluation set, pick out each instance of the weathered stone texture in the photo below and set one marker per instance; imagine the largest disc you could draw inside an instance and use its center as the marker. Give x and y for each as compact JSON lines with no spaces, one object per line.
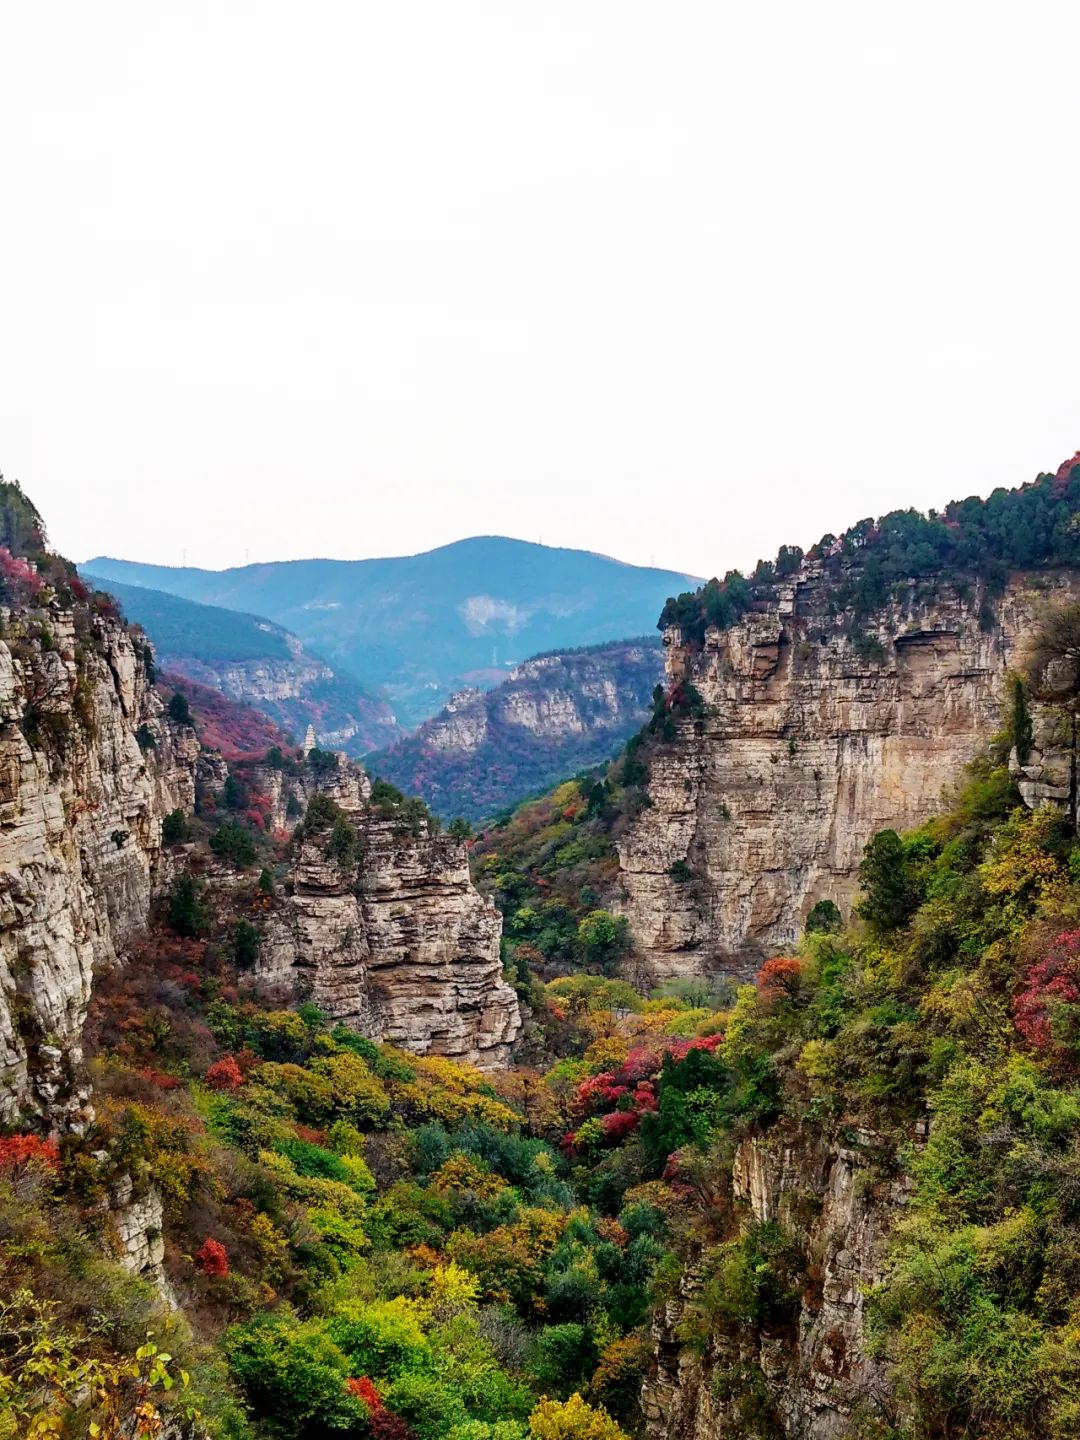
{"x":81,"y":806}
{"x":818,"y":733}
{"x":813,"y":1375}
{"x":399,"y":945}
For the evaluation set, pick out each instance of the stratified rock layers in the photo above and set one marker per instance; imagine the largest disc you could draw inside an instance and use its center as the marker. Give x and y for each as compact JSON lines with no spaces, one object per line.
{"x":398,"y":944}
{"x":81,"y":803}
{"x":819,"y":730}
{"x":810,"y":1373}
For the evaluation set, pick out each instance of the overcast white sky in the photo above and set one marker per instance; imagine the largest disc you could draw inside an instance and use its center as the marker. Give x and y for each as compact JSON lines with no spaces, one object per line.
{"x":673,"y":281}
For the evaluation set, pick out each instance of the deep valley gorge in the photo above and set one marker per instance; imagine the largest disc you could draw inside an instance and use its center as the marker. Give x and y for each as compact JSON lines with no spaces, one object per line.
{"x":668,"y":1039}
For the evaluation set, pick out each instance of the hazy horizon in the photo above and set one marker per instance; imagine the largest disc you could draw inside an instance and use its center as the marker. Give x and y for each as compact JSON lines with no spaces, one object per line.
{"x":359,"y":559}
{"x":675,"y":286}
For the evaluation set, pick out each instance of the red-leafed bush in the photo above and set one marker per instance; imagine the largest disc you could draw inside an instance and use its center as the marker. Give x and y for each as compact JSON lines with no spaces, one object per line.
{"x":364,"y":1390}
{"x":618,"y":1125}
{"x":159,"y":1078}
{"x":310,"y":1136}
{"x":611,"y":1231}
{"x":19,"y":1153}
{"x":385,"y":1425}
{"x":640,"y":1064}
{"x":18,"y":574}
{"x":1047,"y":1010}
{"x":225,"y":1074}
{"x":681,"y":1048}
{"x":212,"y":1258}
{"x":673,"y":1168}
{"x":778,"y":979}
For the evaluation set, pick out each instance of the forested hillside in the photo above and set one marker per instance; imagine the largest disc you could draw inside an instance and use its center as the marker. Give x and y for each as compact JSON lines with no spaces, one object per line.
{"x":417,"y":628}
{"x":366,"y":1241}
{"x":555,"y":714}
{"x":971,"y":540}
{"x":256,"y":661}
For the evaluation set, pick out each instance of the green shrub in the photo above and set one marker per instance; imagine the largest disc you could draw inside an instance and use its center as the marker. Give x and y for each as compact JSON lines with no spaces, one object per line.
{"x":382,"y":1339}
{"x":185,"y":912}
{"x":293,"y":1377}
{"x":174,"y":828}
{"x":245,"y":944}
{"x":233,"y":843}
{"x":179,"y":709}
{"x":430,"y":1407}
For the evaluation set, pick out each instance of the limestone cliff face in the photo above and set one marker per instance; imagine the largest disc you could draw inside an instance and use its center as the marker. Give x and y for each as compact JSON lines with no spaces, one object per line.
{"x":397,"y":943}
{"x":817,"y":732}
{"x":296,"y":691}
{"x":809,"y":1375}
{"x":551,"y":697}
{"x":81,"y":804}
{"x":551,"y":716}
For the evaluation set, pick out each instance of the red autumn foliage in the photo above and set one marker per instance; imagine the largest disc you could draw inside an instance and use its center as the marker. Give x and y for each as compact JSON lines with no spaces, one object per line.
{"x":225,"y":1074}
{"x":681,"y":1048}
{"x":618,"y":1125}
{"x":237,"y":730}
{"x":385,"y":1425}
{"x":611,"y":1231}
{"x":24,"y":1152}
{"x":1049,"y":985}
{"x":212,"y":1258}
{"x":159,"y":1079}
{"x":19,"y":574}
{"x":640,"y":1064}
{"x":673,"y":1168}
{"x":778,"y":979}
{"x":310,"y":1136}
{"x":364,"y":1390}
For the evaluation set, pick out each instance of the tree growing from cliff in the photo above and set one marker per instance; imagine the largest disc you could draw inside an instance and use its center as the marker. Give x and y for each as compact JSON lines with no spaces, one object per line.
{"x":602,"y":938}
{"x":185,"y":911}
{"x":22,"y":530}
{"x":232,"y":842}
{"x":179,"y":709}
{"x":343,"y":846}
{"x":245,"y":944}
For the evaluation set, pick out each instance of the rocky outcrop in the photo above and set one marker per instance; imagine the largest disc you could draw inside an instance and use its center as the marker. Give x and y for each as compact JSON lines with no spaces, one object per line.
{"x":552,"y":715}
{"x":295,"y":692}
{"x":88,"y":767}
{"x":806,"y":1374}
{"x":1043,"y":775}
{"x":135,"y":1233}
{"x":815,"y":731}
{"x":395,"y":941}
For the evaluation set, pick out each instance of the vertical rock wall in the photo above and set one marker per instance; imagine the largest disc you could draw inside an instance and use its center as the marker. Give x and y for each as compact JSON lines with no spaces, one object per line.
{"x":398,"y":943}
{"x":81,"y":804}
{"x":818,"y":732}
{"x":810,"y":1376}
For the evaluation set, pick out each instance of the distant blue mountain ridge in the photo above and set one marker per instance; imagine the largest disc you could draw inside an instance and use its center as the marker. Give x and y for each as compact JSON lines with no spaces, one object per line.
{"x":257,"y":661}
{"x":416,"y":628}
